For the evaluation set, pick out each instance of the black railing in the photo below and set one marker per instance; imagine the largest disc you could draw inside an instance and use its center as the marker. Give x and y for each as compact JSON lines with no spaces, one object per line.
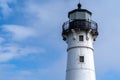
{"x":80,"y":24}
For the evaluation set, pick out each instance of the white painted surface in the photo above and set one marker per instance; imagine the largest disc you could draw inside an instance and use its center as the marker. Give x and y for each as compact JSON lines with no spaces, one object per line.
{"x":77,"y":70}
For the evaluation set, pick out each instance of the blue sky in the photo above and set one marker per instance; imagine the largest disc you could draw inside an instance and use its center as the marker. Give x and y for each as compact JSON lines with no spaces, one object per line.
{"x":31,"y":46}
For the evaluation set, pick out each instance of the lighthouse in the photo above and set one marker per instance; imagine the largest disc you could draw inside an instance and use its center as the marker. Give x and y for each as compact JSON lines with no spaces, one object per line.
{"x":80,"y":33}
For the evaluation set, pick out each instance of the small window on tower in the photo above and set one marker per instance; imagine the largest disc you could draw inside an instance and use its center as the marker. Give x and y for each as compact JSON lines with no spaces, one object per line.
{"x":81,"y":58}
{"x":81,"y":37}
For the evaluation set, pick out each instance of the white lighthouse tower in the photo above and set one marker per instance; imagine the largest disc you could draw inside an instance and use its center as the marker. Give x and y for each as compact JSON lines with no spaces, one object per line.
{"x":80,"y":33}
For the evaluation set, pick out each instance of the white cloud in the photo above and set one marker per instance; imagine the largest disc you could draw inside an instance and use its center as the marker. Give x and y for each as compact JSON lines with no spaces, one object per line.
{"x":47,"y":13}
{"x":20,"y":32}
{"x":5,"y":9}
{"x":25,"y":72}
{"x":1,"y":40}
{"x":6,"y":66}
{"x":45,"y":16}
{"x":10,"y":52}
{"x":6,"y":57}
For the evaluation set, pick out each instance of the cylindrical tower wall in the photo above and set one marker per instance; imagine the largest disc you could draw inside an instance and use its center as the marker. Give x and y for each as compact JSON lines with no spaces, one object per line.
{"x":80,"y":61}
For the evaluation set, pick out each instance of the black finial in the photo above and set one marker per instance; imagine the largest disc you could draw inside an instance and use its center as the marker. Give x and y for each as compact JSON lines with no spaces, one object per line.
{"x":79,"y":6}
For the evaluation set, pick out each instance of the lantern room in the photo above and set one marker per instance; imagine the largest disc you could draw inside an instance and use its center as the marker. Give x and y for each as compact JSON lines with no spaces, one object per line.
{"x":79,"y":14}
